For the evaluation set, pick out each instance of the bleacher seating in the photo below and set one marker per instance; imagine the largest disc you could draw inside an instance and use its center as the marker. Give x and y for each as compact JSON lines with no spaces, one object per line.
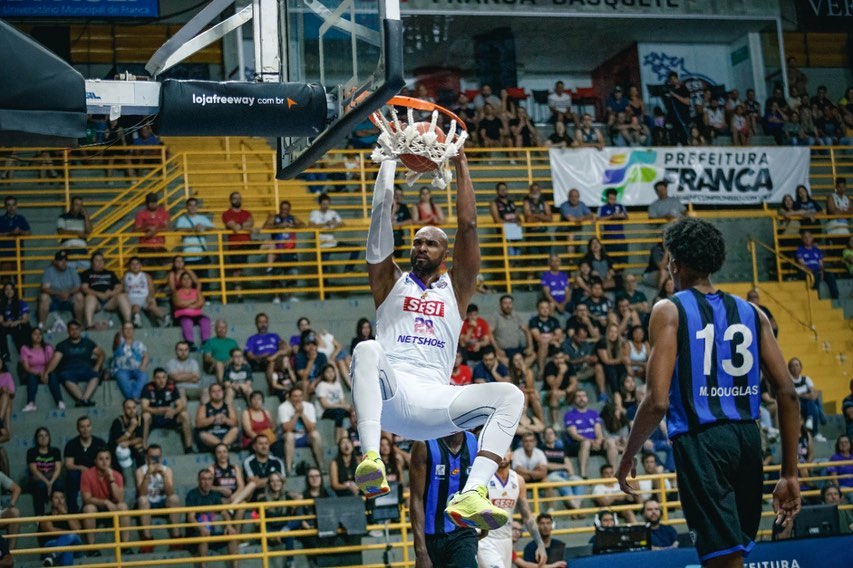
{"x":212,"y":170}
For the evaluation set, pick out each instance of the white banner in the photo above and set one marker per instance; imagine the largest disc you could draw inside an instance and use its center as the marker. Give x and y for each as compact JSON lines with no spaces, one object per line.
{"x":721,"y":175}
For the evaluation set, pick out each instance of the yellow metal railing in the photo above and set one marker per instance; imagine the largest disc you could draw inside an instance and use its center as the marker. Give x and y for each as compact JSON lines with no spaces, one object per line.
{"x":348,"y":173}
{"x":312,"y":273}
{"x":50,"y":177}
{"x":808,"y":280}
{"x":505,"y":265}
{"x":832,"y":245}
{"x":253,"y":528}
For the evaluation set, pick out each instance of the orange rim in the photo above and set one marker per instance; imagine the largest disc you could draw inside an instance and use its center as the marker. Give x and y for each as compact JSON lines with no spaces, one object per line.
{"x":418,"y":104}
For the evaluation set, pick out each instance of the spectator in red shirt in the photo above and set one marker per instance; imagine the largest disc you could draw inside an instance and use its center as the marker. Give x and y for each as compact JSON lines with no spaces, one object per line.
{"x":475,"y":335}
{"x":461,"y":374}
{"x":240,"y":222}
{"x":103,"y":490}
{"x":151,"y":220}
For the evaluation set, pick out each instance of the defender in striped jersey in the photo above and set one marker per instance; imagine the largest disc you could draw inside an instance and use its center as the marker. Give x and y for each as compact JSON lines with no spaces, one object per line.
{"x":439,"y":469}
{"x":707,"y":348}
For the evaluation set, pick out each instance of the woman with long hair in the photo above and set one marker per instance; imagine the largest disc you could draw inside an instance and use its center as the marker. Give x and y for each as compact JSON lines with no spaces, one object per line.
{"x":625,"y":399}
{"x":14,"y":320}
{"x":582,"y":283}
{"x":394,"y":462}
{"x":188,"y":301}
{"x":363,"y":332}
{"x":788,"y":217}
{"x":179,"y":267}
{"x":667,"y":290}
{"x":521,"y":375}
{"x":342,"y":470}
{"x":34,"y":358}
{"x":808,"y":209}
{"x":44,"y":464}
{"x":256,"y":420}
{"x":228,"y":478}
{"x":612,"y":353}
{"x":276,"y":514}
{"x":638,"y":352}
{"x":600,"y":263}
{"x":314,"y":489}
{"x":426,"y":212}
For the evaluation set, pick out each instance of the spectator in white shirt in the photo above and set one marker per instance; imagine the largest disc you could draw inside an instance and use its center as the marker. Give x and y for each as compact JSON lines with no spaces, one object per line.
{"x":528,"y":461}
{"x":330,"y":394}
{"x":298,"y":421}
{"x":328,"y":221}
{"x":608,"y":494}
{"x":648,"y":488}
{"x":560,"y":103}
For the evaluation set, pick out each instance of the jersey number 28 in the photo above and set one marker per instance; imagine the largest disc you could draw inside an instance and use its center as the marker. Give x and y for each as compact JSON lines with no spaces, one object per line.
{"x":740,"y":347}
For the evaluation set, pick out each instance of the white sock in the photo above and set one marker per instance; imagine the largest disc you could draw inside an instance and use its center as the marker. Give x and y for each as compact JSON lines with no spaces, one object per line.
{"x":481,"y":472}
{"x":369,"y":432}
{"x":370,"y":386}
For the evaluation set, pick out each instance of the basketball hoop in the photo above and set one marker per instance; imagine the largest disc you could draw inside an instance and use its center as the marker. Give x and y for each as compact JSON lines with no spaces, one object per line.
{"x":421,"y":146}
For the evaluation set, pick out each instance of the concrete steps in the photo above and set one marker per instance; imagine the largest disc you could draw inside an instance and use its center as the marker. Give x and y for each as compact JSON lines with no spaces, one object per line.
{"x":825,"y":357}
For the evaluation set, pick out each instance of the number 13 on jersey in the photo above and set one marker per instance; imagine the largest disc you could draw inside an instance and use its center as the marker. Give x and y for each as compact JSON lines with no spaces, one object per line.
{"x":741,"y":339}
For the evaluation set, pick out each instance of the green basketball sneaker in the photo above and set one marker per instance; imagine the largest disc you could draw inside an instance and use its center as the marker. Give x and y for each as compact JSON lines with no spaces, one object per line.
{"x":473,"y":509}
{"x":370,"y":476}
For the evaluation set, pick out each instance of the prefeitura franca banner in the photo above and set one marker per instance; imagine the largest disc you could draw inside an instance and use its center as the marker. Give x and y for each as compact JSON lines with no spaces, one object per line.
{"x":714,"y":175}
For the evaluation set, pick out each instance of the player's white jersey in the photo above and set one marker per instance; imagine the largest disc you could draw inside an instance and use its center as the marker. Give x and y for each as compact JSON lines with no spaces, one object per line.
{"x":505,"y":496}
{"x":418,"y":327}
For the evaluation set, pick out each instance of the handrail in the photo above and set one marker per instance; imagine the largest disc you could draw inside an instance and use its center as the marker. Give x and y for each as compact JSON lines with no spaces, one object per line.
{"x":519,"y":166}
{"x":124,"y":203}
{"x":77,"y":167}
{"x":119,"y":245}
{"x":258,"y":529}
{"x":499,"y":270}
{"x":809,"y":281}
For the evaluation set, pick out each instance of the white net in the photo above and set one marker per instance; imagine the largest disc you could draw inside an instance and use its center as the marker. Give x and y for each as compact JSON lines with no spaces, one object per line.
{"x":397,"y":139}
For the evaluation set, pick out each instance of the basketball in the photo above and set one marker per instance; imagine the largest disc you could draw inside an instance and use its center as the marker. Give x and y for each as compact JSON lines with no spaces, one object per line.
{"x":417,"y":163}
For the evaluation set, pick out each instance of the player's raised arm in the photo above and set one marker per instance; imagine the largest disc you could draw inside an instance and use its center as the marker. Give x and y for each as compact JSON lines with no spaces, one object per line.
{"x":466,"y":247}
{"x":786,"y":495}
{"x":382,"y":271}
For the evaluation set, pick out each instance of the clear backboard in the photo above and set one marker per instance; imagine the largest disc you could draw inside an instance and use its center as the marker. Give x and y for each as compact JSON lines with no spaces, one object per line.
{"x":353,"y":48}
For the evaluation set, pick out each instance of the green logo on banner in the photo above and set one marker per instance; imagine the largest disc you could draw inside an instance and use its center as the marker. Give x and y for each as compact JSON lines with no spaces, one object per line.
{"x":629,"y":168}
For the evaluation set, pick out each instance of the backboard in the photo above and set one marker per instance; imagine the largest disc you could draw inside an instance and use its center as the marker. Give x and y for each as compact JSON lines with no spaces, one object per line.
{"x":353,"y":48}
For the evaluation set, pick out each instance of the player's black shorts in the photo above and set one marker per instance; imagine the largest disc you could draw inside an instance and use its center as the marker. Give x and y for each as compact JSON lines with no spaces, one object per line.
{"x":720,"y":482}
{"x":455,"y":550}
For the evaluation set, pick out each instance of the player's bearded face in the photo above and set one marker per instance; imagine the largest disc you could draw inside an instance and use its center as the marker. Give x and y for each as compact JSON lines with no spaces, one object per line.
{"x":423,"y":262}
{"x":427,"y":254}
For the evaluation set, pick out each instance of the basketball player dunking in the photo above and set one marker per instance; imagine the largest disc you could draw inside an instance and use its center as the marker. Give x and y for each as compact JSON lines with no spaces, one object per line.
{"x":703,"y":372}
{"x":401,"y":381}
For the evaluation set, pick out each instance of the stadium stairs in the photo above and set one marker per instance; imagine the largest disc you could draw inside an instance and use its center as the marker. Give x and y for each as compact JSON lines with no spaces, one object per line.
{"x":824,"y":352}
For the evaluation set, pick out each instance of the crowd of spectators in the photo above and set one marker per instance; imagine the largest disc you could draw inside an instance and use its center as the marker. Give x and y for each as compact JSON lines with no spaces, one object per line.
{"x":587,"y":336}
{"x":582,"y":343}
{"x":679,"y":117}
